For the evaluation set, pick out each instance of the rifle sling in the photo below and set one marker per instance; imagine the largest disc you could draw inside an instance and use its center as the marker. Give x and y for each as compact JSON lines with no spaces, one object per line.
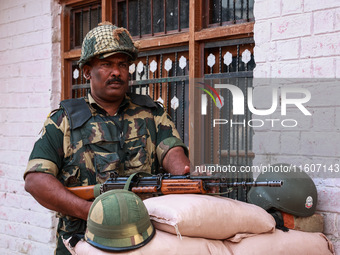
{"x":129,"y":180}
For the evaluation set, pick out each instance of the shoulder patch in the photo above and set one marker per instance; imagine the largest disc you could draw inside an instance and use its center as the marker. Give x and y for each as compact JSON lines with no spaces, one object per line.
{"x":142,"y":100}
{"x":77,"y":111}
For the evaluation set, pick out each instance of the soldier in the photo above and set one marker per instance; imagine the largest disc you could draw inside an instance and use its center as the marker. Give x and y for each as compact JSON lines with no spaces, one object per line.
{"x":109,"y":130}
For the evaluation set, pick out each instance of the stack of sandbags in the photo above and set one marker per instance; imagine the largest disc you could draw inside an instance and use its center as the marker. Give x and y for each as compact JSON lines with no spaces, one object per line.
{"x":162,"y":243}
{"x":212,"y":217}
{"x":292,"y":242}
{"x":202,"y":224}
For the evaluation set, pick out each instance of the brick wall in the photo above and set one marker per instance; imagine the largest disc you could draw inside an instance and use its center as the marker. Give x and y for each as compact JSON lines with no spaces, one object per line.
{"x":29,"y":51}
{"x":300,"y":39}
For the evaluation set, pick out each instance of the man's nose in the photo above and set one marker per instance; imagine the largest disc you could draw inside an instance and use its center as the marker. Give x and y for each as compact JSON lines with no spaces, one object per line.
{"x":115,"y":71}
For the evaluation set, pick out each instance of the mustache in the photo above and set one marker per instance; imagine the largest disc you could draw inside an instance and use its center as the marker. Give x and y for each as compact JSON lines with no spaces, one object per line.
{"x":116,"y":79}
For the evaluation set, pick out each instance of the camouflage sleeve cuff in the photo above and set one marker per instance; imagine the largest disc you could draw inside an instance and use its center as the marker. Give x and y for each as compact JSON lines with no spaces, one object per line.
{"x":42,"y":166}
{"x":168,"y":143}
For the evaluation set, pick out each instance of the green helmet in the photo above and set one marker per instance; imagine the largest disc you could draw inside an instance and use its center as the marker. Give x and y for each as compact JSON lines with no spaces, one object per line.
{"x":106,"y":40}
{"x":118,"y":220}
{"x":297,"y":195}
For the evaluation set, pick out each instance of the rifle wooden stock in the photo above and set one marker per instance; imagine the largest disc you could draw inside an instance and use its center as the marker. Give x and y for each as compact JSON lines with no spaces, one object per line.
{"x":164,"y":184}
{"x":84,"y":192}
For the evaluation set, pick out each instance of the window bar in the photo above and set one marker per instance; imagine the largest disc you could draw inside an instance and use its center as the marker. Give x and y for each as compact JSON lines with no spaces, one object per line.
{"x":81,"y":77}
{"x":246,"y":116}
{"x":127,"y":15}
{"x":160,"y":75}
{"x":241,"y":9}
{"x":239,"y":190}
{"x":211,"y":130}
{"x":141,"y":77}
{"x":152,"y":33}
{"x":139,"y":20}
{"x":175,"y":89}
{"x":164,"y":12}
{"x":228,"y":10}
{"x":183,"y":98}
{"x":247,"y":10}
{"x":167,"y":93}
{"x":220,"y":59}
{"x":219,"y":127}
{"x":90,"y":18}
{"x":237,"y":132}
{"x":238,"y":58}
{"x":75,"y":83}
{"x":147,"y":74}
{"x":244,"y":126}
{"x":219,"y":141}
{"x":230,"y":142}
{"x":220,"y":12}
{"x":228,"y":126}
{"x":153,"y":86}
{"x":179,"y":15}
{"x":81,"y":82}
{"x":220,"y":138}
{"x":98,"y":14}
{"x":81,"y":26}
{"x":233,"y":145}
{"x":234,"y":11}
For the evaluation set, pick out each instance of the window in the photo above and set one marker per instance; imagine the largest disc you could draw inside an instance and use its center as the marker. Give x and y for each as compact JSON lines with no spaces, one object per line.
{"x":177,"y":37}
{"x":149,"y":17}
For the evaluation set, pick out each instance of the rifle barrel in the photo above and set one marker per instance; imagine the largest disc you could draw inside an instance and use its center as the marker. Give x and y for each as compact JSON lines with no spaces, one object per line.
{"x":246,"y":184}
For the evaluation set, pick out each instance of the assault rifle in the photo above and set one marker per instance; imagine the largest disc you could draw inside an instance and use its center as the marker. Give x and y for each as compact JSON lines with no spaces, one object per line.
{"x":164,"y":184}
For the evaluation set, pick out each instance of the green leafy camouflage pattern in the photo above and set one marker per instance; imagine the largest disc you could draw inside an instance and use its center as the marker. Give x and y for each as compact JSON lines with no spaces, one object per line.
{"x":105,"y":39}
{"x":86,"y":155}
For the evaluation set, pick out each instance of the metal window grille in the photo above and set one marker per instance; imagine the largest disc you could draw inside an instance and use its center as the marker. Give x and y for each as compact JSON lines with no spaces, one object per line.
{"x":83,"y":19}
{"x":230,"y":62}
{"x":224,"y":12}
{"x":163,"y":75}
{"x":151,"y":17}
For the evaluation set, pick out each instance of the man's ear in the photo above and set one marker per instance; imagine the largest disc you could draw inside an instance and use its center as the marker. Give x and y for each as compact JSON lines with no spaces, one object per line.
{"x":87,"y":72}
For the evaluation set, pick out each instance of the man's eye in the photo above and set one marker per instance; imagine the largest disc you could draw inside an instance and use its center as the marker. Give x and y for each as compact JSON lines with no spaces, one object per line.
{"x":106,"y":64}
{"x":124,"y":65}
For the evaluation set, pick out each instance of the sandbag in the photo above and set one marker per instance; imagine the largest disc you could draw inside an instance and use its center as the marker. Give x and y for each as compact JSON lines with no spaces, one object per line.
{"x":293,"y":242}
{"x":205,"y":216}
{"x":162,"y":243}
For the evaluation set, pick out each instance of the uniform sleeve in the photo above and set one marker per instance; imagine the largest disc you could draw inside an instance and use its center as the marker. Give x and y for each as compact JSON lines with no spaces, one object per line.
{"x":47,"y":154}
{"x":167,"y":135}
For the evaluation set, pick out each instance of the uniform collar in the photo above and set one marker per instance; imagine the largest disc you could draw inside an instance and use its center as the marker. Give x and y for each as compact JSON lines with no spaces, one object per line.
{"x":126,"y":101}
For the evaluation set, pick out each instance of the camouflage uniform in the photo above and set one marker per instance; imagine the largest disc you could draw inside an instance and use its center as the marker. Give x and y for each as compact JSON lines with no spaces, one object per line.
{"x":79,"y":154}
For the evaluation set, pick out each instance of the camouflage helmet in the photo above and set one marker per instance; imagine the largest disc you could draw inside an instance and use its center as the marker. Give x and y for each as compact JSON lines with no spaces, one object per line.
{"x":106,"y":40}
{"x":118,"y":220}
{"x":297,"y":195}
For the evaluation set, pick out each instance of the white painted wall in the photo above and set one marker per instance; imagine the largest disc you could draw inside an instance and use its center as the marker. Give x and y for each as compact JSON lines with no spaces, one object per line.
{"x":301,"y":39}
{"x":30,"y":88}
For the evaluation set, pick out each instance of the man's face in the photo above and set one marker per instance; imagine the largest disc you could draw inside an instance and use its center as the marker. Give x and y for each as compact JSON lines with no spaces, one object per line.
{"x":109,"y":78}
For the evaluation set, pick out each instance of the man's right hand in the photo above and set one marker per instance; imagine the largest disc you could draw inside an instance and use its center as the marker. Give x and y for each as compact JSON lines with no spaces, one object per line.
{"x":50,"y":193}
